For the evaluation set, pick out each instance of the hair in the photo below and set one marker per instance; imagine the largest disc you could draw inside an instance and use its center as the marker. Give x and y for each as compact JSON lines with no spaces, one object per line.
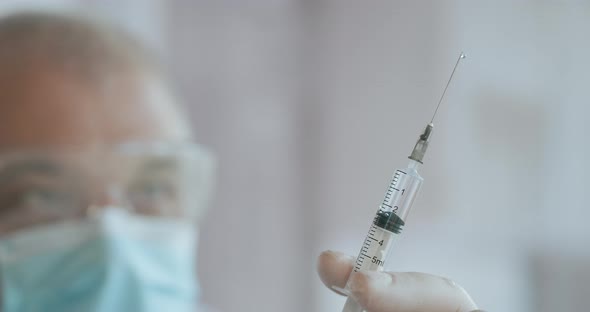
{"x":80,"y":46}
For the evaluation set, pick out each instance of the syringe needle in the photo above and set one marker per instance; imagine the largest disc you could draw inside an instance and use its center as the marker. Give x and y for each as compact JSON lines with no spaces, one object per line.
{"x":461,"y":56}
{"x":422,"y":144}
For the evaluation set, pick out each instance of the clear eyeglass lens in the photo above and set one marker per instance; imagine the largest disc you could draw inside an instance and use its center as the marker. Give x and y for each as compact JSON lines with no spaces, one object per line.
{"x":53,"y":189}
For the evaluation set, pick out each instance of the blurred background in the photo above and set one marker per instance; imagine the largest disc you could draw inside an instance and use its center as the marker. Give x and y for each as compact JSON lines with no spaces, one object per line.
{"x":310,"y":105}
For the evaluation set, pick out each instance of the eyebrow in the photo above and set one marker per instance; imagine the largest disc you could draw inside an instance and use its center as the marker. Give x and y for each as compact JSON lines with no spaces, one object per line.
{"x":29,"y":166}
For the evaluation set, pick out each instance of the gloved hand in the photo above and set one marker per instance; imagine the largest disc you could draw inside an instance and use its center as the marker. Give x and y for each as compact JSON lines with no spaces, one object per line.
{"x":393,"y":292}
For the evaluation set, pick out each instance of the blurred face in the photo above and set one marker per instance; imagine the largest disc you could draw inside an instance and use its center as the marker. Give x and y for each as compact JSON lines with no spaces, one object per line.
{"x":57,"y":133}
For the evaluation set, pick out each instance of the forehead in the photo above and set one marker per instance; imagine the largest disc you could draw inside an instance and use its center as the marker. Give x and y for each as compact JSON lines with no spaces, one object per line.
{"x":44,"y":108}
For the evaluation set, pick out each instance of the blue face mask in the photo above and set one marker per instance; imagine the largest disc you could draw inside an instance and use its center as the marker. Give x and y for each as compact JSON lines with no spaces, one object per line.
{"x":113,"y":262}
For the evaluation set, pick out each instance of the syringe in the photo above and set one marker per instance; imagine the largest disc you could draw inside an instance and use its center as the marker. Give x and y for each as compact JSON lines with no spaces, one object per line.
{"x":394,"y":209}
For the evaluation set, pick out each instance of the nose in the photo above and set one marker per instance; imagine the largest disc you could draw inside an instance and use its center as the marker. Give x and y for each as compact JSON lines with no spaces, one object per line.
{"x":111,"y":196}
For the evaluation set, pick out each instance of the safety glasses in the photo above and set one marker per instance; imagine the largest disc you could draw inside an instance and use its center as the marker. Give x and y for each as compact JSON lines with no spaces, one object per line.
{"x":152,"y":179}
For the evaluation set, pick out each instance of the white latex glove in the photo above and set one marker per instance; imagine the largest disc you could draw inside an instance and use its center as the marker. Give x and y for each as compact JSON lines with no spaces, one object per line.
{"x":393,"y":291}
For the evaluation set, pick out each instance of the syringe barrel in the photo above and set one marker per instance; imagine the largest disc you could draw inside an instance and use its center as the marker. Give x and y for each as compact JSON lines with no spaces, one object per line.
{"x":372,"y":257}
{"x":400,"y":194}
{"x":387,"y":224}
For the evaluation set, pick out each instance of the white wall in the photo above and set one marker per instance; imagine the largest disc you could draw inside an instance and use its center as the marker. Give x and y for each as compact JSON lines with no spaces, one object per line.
{"x":238,"y":70}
